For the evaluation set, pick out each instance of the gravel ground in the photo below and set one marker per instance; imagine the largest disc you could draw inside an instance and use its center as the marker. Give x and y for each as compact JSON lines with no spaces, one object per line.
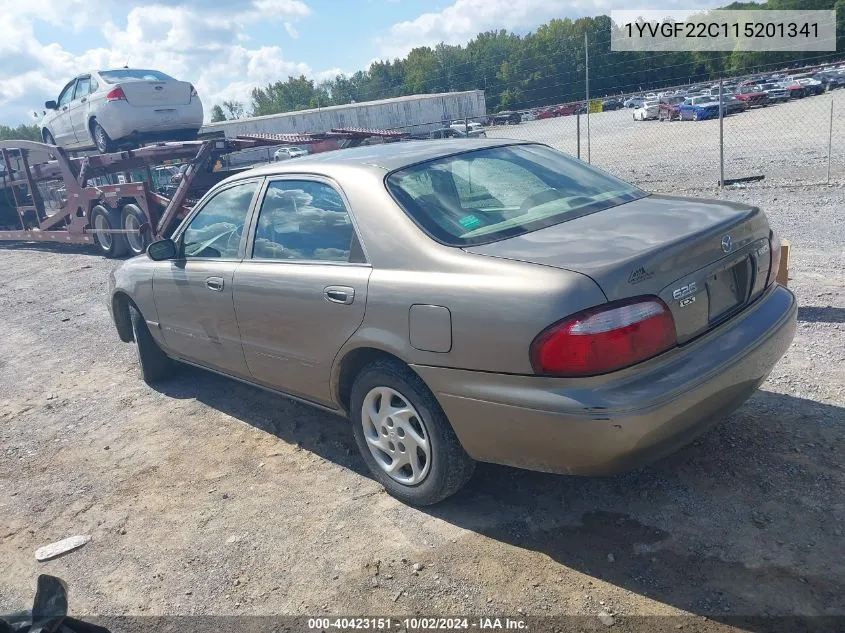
{"x":210,"y":497}
{"x":787,"y":143}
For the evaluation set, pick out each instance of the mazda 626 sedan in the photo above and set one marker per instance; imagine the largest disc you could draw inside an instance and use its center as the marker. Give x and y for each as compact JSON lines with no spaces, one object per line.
{"x":472,"y":300}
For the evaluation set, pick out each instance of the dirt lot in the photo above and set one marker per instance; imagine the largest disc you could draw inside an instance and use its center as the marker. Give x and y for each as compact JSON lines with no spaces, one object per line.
{"x":210,"y":497}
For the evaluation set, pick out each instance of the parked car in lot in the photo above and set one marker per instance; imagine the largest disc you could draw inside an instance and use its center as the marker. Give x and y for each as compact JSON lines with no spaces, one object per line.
{"x":811,"y":86}
{"x":450,"y":132}
{"x":795,"y":89}
{"x":507,"y":117}
{"x":831,"y":79}
{"x":633,"y":102}
{"x":286,"y":153}
{"x":611,"y":104}
{"x":470,"y":128}
{"x":775,"y":93}
{"x":668,"y":108}
{"x":648,"y":111}
{"x":108,"y":108}
{"x":731,"y":104}
{"x":753,"y":95}
{"x":699,"y":108}
{"x":626,"y":324}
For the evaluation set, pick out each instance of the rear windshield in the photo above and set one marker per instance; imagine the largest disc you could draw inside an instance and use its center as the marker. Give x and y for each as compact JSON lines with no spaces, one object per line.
{"x":133,"y":74}
{"x":491,"y":194}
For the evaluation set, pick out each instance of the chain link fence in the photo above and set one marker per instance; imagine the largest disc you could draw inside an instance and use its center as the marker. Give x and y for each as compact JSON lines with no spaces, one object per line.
{"x":801,"y":141}
{"x":790,"y":141}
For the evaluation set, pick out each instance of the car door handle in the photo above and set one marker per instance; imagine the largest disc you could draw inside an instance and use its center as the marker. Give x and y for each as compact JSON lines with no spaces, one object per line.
{"x":214,"y":283}
{"x":84,"y":99}
{"x":339,"y":294}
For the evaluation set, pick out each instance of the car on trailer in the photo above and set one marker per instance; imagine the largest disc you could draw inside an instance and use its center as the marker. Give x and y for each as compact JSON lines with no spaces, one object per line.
{"x":107,"y":109}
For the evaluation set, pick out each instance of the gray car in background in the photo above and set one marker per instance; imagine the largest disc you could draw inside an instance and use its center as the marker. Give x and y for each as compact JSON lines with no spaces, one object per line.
{"x":471,"y":300}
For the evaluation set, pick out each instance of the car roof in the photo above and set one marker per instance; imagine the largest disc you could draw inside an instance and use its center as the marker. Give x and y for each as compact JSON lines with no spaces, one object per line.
{"x":385,"y":156}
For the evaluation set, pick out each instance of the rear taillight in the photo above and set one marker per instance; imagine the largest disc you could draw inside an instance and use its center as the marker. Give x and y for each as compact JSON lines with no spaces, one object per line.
{"x":605,"y":338}
{"x":193,"y":91}
{"x":774,"y":262}
{"x":116,"y":94}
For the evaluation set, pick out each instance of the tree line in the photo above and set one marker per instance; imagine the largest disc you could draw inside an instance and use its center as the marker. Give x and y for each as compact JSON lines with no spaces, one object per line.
{"x":544,"y":67}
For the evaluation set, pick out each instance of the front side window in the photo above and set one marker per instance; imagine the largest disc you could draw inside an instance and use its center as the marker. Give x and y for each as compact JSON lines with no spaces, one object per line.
{"x":303,"y":220}
{"x":492,"y":194}
{"x":217,"y":228}
{"x":67,"y":94}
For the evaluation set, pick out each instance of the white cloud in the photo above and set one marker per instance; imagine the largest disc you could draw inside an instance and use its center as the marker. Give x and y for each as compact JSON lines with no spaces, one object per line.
{"x":291,"y":30}
{"x":464,"y":19}
{"x":205,"y":42}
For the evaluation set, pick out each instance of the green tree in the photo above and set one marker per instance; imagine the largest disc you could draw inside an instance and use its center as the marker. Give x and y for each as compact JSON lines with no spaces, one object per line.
{"x":233,"y":109}
{"x":217,"y":114}
{"x":20,"y":133}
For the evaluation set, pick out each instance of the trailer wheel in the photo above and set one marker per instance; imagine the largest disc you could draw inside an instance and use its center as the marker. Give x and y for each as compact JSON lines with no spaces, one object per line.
{"x":155,"y":364}
{"x":102,"y":221}
{"x":135,"y":222}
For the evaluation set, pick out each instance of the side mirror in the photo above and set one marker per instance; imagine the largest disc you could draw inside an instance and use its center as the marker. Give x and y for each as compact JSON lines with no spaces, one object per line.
{"x":51,"y":105}
{"x":161,"y":250}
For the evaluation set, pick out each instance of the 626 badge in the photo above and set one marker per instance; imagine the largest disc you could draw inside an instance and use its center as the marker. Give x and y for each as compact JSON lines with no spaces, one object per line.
{"x":684,"y":291}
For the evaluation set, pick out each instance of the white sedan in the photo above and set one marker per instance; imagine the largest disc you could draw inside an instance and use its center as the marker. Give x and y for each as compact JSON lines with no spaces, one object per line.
{"x":110,"y":108}
{"x":285,"y":153}
{"x":648,"y":110}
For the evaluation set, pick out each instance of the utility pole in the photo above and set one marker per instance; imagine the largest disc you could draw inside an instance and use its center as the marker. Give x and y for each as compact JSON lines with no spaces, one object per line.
{"x":587,"y":90}
{"x":721,"y":136}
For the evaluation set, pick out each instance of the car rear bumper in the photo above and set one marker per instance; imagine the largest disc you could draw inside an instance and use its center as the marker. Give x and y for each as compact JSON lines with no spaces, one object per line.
{"x":122,"y":120}
{"x":606,"y":424}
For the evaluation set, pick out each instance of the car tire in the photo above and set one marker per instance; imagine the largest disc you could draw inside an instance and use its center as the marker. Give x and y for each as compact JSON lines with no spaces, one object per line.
{"x":695,"y":116}
{"x":102,"y":140}
{"x":447,"y":466}
{"x":133,"y":220}
{"x":154,"y":363}
{"x":47,"y":137}
{"x":110,"y":244}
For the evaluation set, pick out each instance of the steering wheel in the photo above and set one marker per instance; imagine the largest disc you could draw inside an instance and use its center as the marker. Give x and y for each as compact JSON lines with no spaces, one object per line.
{"x":541,"y":197}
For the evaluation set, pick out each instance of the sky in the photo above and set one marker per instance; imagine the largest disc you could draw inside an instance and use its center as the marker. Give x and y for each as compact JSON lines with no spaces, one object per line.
{"x":227,"y":47}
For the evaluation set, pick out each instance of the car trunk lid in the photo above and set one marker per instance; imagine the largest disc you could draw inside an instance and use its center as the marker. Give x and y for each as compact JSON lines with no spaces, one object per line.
{"x":157,"y":93}
{"x":706,"y":259}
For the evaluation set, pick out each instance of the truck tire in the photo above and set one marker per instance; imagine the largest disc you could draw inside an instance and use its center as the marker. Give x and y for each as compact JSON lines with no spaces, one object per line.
{"x":418,"y":431}
{"x":154,"y":363}
{"x":104,"y":219}
{"x":132,"y":219}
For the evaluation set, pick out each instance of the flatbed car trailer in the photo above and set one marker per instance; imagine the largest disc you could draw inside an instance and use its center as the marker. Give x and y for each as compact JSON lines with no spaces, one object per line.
{"x":48,"y":196}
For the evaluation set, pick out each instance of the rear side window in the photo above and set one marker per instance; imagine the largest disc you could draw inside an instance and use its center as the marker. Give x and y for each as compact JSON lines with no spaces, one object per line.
{"x":83,"y":87}
{"x":491,"y":194}
{"x":133,"y":74}
{"x":303,"y":220}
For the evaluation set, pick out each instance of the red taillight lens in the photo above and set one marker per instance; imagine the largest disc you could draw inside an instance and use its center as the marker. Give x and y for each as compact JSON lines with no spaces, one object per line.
{"x":116,"y":94}
{"x":604,"y":339}
{"x":774,"y":263}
